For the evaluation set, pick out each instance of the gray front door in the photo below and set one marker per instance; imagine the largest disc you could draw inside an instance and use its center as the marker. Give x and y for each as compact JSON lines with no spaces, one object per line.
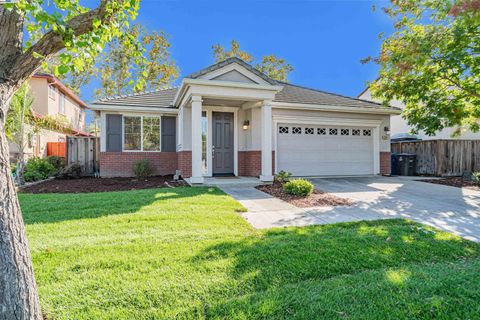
{"x":222,"y":143}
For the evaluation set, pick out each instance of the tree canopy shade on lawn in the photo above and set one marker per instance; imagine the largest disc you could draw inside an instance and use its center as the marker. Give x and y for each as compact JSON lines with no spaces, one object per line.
{"x":186,"y":253}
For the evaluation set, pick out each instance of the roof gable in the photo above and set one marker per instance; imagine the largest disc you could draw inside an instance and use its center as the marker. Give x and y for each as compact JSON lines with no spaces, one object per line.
{"x":234,"y":76}
{"x":234,"y":63}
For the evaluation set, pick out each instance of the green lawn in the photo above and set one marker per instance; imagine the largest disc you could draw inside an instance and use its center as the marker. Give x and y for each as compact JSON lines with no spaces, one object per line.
{"x":186,"y":253}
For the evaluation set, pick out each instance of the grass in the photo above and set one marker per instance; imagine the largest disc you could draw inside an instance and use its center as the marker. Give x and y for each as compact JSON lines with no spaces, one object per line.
{"x":186,"y":253}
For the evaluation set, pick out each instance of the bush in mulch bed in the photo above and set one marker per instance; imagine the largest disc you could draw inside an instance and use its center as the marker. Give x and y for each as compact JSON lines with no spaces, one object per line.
{"x":315,"y":199}
{"x":458,"y":182}
{"x":89,"y":184}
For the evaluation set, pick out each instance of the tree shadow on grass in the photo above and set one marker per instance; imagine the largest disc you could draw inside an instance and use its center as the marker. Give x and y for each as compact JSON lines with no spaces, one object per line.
{"x":284,"y":257}
{"x":52,"y":208}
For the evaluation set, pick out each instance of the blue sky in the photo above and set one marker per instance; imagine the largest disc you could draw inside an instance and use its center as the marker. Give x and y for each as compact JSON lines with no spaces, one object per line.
{"x":323,"y":40}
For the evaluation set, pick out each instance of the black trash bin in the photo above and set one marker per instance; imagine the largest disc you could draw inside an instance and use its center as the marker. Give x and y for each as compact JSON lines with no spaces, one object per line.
{"x":394,"y":164}
{"x":406,"y":164}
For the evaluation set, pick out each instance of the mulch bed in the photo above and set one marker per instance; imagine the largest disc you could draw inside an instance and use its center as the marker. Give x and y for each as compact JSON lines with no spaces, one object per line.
{"x":316,"y":199}
{"x":88,"y":184}
{"x":454,"y":182}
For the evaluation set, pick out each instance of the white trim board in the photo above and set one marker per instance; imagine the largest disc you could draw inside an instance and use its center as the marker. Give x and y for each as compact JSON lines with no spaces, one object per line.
{"x":303,"y":106}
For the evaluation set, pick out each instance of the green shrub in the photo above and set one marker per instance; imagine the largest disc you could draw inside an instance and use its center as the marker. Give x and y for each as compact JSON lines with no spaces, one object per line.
{"x":298,"y":187}
{"x":57,"y":162}
{"x":142,"y":169}
{"x":476,"y":177}
{"x":73,"y":171}
{"x":282,"y":176}
{"x":38,"y":169}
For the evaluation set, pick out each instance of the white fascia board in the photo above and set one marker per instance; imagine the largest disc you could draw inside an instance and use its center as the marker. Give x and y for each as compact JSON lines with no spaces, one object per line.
{"x":327,"y":121}
{"x":219,"y":83}
{"x":120,"y":108}
{"x":303,"y":106}
{"x":197,"y":84}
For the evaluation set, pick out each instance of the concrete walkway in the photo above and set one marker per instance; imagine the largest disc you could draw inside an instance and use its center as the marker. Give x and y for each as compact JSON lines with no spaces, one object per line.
{"x":451,"y":209}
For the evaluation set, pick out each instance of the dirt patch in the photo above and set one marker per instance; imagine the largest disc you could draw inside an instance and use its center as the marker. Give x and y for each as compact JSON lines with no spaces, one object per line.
{"x":85,"y":185}
{"x":454,"y":182}
{"x":316,"y":199}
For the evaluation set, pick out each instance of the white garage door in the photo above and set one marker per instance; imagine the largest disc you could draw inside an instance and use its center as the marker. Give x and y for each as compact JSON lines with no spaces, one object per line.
{"x":308,"y":150}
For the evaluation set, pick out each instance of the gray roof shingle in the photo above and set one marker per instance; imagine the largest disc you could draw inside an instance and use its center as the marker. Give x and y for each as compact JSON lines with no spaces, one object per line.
{"x":289,"y":94}
{"x":162,"y":98}
{"x":298,"y":94}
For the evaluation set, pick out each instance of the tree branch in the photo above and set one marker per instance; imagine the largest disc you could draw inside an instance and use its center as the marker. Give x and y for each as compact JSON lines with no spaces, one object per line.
{"x":459,"y":86}
{"x":11,"y":24}
{"x":52,"y":42}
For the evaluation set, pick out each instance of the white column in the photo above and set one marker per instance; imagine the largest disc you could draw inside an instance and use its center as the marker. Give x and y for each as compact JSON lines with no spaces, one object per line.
{"x":266,"y":112}
{"x":197,"y":176}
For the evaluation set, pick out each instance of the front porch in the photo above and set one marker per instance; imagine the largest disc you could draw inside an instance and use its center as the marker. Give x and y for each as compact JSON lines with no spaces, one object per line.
{"x":226,"y":133}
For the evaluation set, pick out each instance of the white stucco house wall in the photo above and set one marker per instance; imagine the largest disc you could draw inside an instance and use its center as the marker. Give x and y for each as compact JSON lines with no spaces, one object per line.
{"x":231,"y":120}
{"x":400,"y":127}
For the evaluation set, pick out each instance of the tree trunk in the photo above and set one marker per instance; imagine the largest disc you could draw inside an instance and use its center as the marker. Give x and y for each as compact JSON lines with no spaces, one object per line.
{"x":18,"y":291}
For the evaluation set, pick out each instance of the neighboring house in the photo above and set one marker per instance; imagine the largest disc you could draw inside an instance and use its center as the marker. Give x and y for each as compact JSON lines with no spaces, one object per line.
{"x":231,"y":120}
{"x":54,"y":99}
{"x":401,"y":130}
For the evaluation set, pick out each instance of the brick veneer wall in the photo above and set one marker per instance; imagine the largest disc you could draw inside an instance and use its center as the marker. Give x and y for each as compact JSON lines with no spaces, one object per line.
{"x":120,"y":164}
{"x":250,"y":163}
{"x":184,"y":161}
{"x":385,"y":163}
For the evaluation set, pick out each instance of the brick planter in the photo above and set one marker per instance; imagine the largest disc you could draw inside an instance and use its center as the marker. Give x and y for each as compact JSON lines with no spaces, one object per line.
{"x":120,"y":164}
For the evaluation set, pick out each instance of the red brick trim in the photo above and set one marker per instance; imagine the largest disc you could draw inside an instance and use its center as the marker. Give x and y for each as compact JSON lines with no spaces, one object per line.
{"x":120,"y":164}
{"x":184,"y":160}
{"x":385,"y":163}
{"x":250,"y":163}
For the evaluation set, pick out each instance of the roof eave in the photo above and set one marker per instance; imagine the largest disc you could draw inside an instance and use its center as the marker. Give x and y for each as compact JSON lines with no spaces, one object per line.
{"x":111,"y":107}
{"x":305,"y":106}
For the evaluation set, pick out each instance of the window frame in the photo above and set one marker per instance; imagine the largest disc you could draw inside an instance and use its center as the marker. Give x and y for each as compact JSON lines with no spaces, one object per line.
{"x":141,"y":132}
{"x":61,"y":100}
{"x":52,"y":91}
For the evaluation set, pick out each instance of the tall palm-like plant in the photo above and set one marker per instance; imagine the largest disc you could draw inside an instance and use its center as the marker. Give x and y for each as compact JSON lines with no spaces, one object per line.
{"x":18,"y":125}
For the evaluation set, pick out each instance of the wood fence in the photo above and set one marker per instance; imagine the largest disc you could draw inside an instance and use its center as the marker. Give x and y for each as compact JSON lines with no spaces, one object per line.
{"x":84,"y":151}
{"x":58,"y":149}
{"x":443,"y":157}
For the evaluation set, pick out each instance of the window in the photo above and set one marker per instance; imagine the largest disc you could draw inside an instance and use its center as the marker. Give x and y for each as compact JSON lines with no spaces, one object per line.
{"x":151,"y":133}
{"x":321,"y":131}
{"x":367,"y":132}
{"x":309,"y":131}
{"x":132,"y":133}
{"x":296,"y":130}
{"x":52,"y":92}
{"x":283,"y":130}
{"x":332,"y":131}
{"x":204,"y":142}
{"x":61,"y":104}
{"x":355,"y":132}
{"x":345,"y":132}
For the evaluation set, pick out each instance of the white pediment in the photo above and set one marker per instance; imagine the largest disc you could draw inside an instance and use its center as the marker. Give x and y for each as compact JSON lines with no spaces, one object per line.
{"x":234,"y":73}
{"x":234,"y":76}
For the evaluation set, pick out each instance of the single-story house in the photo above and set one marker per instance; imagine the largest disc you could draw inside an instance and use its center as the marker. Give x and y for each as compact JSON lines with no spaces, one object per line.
{"x":229,"y":119}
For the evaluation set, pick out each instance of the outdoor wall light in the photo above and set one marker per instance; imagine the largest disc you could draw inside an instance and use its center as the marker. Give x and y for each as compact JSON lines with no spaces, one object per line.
{"x":386,"y":129}
{"x":246,"y":124}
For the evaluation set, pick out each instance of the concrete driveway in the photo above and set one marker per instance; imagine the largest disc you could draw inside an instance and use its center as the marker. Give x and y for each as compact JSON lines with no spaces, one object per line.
{"x":448,"y":208}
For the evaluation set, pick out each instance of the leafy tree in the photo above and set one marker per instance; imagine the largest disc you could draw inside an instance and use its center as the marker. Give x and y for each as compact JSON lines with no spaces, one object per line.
{"x":32,"y":31}
{"x":118,"y":66}
{"x":275,"y":68}
{"x":431,"y":63}
{"x":220,"y":54}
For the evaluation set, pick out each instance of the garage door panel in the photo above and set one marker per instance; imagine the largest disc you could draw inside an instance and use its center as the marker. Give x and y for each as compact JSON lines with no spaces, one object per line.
{"x":322,"y":153}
